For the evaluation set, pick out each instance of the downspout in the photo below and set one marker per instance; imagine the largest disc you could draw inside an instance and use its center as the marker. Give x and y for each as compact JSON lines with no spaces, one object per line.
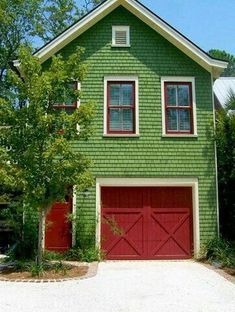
{"x":216,"y":162}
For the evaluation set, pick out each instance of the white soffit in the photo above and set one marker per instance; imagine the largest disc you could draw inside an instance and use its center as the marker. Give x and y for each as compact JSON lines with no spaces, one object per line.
{"x":186,"y":46}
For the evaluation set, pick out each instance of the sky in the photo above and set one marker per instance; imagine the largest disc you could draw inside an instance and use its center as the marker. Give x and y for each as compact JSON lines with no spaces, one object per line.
{"x":208,"y":23}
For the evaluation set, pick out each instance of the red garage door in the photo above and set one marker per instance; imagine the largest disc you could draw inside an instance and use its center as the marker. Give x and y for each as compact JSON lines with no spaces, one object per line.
{"x":146,"y":222}
{"x":58,"y":236}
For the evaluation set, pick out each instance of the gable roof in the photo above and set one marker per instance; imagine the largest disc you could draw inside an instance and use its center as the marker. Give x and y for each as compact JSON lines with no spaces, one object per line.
{"x":223,"y":88}
{"x":212,"y":65}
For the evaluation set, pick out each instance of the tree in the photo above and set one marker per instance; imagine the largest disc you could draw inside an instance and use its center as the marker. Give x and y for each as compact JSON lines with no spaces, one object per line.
{"x":225,"y":139}
{"x":36,"y":155}
{"x":30,"y":21}
{"x":90,"y":4}
{"x":16,"y":24}
{"x":219,"y":54}
{"x":55,"y":16}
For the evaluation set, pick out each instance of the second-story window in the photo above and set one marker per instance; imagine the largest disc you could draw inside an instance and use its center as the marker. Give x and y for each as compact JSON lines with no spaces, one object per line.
{"x":66,"y":99}
{"x":121,"y":107}
{"x":178,"y":107}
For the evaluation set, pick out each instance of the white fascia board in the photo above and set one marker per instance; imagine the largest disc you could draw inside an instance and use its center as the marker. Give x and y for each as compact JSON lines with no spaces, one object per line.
{"x":16,"y":64}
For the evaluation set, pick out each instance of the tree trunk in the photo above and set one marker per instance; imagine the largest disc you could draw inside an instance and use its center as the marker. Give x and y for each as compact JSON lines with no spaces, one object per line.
{"x":40,"y":236}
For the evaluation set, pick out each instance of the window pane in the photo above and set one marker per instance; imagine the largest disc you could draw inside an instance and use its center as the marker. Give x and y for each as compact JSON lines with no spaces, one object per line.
{"x":183,"y":95}
{"x":184,"y":117}
{"x":172,"y":120}
{"x":127,"y":115}
{"x":171,"y":95}
{"x":115,"y":119}
{"x":114,"y":94}
{"x":126,"y":92}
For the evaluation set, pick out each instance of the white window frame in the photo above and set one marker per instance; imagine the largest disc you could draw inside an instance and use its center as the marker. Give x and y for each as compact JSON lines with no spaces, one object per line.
{"x":178,"y":79}
{"x":79,"y":89}
{"x":121,"y":28}
{"x":122,"y":79}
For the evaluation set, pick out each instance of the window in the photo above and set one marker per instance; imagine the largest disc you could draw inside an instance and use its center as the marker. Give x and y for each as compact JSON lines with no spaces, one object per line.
{"x":121,"y":106}
{"x":178,"y":106}
{"x":66,"y":100}
{"x":120,"y":36}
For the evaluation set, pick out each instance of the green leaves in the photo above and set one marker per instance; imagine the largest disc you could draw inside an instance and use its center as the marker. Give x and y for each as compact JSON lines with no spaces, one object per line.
{"x":41,"y":158}
{"x":225,"y":141}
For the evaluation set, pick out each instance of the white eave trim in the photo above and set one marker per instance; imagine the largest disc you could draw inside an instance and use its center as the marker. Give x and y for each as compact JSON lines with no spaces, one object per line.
{"x":213,"y":66}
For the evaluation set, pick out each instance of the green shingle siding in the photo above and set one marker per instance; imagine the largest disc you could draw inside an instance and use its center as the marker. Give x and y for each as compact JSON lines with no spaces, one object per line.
{"x":150,"y":57}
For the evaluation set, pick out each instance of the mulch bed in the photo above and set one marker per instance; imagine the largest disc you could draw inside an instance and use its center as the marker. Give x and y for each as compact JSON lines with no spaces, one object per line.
{"x":73,"y":272}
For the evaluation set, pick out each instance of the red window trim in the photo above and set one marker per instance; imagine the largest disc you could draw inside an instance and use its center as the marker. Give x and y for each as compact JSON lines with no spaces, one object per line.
{"x":190,"y":107}
{"x":133,"y":107}
{"x":63,"y":105}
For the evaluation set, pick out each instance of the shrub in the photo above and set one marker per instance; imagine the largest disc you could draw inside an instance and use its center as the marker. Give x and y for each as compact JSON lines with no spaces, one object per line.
{"x":219,"y":249}
{"x":85,"y":255}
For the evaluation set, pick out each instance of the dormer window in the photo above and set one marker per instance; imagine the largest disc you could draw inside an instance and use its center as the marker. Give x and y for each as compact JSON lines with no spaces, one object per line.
{"x":121,"y":36}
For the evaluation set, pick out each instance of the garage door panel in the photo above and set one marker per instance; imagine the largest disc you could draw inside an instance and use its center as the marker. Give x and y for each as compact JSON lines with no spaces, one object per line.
{"x":171,"y":197}
{"x":124,"y":249}
{"x":169,"y":230}
{"x":169,"y":249}
{"x":121,"y":198}
{"x":123,"y":232}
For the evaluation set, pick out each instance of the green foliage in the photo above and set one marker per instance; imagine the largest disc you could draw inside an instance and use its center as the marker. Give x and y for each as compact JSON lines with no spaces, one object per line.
{"x":219,"y":249}
{"x":41,"y":161}
{"x":27,"y":22}
{"x":55,"y":16}
{"x":85,"y":255}
{"x":24,"y":224}
{"x":88,"y":254}
{"x":223,"y":55}
{"x":52,"y":256}
{"x":225,"y":139}
{"x":17,"y":22}
{"x":21,"y":265}
{"x":90,"y":4}
{"x":40,"y":270}
{"x":36,"y":270}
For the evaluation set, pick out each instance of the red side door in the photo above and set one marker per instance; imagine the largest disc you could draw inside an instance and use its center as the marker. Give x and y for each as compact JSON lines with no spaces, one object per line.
{"x":58,"y":229}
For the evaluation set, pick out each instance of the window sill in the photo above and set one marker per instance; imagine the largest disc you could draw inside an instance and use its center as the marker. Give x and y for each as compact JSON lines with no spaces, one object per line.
{"x":179,"y":135}
{"x":120,"y":45}
{"x":128,"y":135}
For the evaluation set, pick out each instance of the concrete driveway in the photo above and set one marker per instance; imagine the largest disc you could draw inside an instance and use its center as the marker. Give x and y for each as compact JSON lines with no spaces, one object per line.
{"x":127,"y":286}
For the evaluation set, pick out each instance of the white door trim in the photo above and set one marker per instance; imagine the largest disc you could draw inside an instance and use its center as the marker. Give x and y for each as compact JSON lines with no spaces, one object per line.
{"x":190,"y":182}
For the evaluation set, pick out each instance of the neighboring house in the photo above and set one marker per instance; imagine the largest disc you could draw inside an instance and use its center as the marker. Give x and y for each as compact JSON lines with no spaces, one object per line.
{"x":223,"y":88}
{"x":155,"y":195}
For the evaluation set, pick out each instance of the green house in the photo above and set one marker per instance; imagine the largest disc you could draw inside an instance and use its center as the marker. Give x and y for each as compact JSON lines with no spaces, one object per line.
{"x":153,"y":152}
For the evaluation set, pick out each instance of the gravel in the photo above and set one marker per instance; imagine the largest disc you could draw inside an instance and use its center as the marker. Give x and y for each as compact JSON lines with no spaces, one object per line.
{"x":128,"y":286}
